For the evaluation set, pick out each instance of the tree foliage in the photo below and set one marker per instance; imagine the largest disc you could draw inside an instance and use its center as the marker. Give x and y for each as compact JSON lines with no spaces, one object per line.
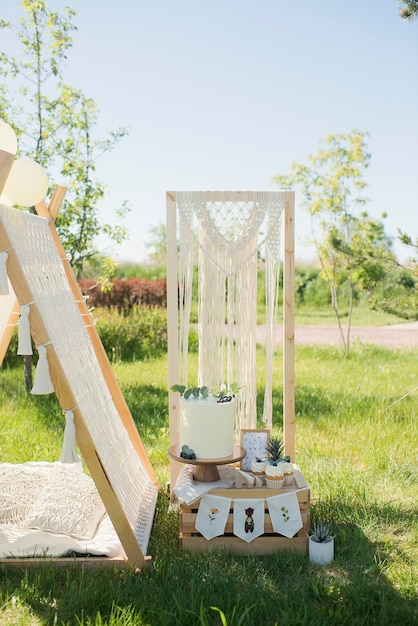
{"x":332,"y":190}
{"x":55,"y":124}
{"x":409,"y":11}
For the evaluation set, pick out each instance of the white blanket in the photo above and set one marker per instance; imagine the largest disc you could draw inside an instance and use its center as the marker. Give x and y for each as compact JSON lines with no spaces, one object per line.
{"x":18,"y":542}
{"x":52,"y":509}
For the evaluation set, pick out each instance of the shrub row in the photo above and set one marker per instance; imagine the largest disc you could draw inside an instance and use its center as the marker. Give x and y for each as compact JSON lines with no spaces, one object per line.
{"x":142,"y":334}
{"x":125,"y":293}
{"x":138,"y":335}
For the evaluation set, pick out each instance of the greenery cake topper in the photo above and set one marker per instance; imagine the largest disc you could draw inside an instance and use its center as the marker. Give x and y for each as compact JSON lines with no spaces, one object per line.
{"x":203,"y":392}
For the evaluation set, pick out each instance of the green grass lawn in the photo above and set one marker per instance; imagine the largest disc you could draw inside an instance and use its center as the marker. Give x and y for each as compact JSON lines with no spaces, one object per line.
{"x":356,"y":445}
{"x":362,"y":316}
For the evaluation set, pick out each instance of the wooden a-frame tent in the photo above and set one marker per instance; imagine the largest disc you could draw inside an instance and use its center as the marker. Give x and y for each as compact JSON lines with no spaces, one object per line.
{"x":120,"y":466}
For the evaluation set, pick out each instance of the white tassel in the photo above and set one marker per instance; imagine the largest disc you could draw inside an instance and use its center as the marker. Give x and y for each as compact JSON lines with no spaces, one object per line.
{"x":69,"y":446}
{"x":4,"y":285}
{"x":43,"y":383}
{"x":24,"y":345}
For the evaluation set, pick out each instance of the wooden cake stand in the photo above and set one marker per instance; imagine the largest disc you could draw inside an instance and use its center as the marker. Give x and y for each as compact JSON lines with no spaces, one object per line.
{"x":206,"y":470}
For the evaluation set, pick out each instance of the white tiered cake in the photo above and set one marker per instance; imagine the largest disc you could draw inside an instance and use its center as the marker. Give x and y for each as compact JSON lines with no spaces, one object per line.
{"x":207,"y":426}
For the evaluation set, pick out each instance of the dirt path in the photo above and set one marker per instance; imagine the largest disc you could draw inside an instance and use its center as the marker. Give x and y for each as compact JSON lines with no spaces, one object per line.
{"x":393,"y":336}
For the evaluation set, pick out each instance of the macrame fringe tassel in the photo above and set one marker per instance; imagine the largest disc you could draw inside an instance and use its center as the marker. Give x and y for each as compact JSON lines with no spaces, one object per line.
{"x":69,"y":446}
{"x":4,"y":285}
{"x":43,"y":383}
{"x":24,"y":345}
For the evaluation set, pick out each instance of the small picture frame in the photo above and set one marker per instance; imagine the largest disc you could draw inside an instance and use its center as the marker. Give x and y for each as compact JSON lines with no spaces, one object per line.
{"x":255,"y":443}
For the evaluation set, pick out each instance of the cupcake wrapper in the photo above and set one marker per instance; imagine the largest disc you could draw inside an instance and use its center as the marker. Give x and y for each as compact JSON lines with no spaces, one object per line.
{"x":288,"y":480}
{"x":274,"y":484}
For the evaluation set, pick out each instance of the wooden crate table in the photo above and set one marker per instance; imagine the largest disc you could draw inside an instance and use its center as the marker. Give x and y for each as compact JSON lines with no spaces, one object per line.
{"x":268,"y":543}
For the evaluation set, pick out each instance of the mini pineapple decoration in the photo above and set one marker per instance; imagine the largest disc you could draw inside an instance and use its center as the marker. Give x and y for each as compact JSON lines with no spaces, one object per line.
{"x":275,"y":464}
{"x":279,"y":469}
{"x":275,"y":450}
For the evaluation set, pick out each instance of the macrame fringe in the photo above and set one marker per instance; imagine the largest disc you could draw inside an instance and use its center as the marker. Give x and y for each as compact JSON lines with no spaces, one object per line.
{"x":226,"y":233}
{"x":43,"y":384}
{"x":69,"y":446}
{"x":24,"y":345}
{"x":4,"y":285}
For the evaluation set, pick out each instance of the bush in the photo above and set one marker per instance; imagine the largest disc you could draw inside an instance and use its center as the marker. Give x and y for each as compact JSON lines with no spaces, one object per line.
{"x":139,"y":335}
{"x":11,"y":358}
{"x":310,"y":287}
{"x":125,"y":293}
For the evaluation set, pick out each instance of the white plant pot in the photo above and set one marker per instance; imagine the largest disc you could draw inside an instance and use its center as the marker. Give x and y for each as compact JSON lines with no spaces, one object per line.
{"x":321,"y":553}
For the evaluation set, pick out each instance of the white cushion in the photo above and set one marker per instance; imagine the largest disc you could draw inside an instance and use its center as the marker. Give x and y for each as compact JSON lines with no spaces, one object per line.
{"x":69,"y":503}
{"x":20,"y":485}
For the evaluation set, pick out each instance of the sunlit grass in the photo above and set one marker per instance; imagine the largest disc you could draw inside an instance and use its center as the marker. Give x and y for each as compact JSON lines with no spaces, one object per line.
{"x":325,"y":316}
{"x":356,"y":445}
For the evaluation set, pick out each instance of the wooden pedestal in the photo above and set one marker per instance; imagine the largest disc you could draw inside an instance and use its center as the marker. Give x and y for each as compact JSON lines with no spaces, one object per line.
{"x":206,"y":470}
{"x":268,"y":543}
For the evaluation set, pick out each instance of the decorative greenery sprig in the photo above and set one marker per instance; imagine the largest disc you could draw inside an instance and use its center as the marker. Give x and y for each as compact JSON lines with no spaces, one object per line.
{"x":195,"y":392}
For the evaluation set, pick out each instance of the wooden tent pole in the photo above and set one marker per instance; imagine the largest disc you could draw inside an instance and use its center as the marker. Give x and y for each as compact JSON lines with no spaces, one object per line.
{"x":66,"y":398}
{"x":6,"y":164}
{"x":8,"y":331}
{"x":109,"y":375}
{"x":289,"y":326}
{"x":172,"y":326}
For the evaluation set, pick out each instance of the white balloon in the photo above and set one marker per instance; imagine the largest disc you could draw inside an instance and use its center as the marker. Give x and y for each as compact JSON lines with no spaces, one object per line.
{"x":5,"y":200}
{"x":27,"y":183}
{"x":8,"y":141}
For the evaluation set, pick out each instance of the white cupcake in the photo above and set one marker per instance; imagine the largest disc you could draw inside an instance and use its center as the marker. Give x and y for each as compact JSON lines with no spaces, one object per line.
{"x":288,"y":473}
{"x":258,"y":467}
{"x":274,"y":476}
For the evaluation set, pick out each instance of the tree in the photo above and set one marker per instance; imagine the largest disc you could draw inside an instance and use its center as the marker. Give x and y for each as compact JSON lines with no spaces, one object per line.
{"x":55,"y":125}
{"x":157,"y":244}
{"x":410,"y":10}
{"x":398,"y":294}
{"x":332,"y":186}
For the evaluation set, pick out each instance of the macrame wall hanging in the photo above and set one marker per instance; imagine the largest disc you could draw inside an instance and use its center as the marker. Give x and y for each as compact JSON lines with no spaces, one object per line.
{"x":227,"y":236}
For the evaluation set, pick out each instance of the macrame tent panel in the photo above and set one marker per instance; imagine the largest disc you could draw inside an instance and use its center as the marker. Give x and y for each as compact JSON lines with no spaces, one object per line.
{"x":36,"y":261}
{"x":225,"y":235}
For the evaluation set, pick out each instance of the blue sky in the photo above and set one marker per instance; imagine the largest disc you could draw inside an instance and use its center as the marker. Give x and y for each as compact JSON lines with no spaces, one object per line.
{"x":225,"y":94}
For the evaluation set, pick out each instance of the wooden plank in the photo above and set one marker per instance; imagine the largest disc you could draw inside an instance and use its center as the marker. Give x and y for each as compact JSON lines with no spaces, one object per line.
{"x":172,"y":327}
{"x":289,"y":327}
{"x":8,"y":331}
{"x":68,"y":402}
{"x":303,"y":495}
{"x":262,"y":546}
{"x":88,"y":563}
{"x":230,"y":196}
{"x":6,"y":163}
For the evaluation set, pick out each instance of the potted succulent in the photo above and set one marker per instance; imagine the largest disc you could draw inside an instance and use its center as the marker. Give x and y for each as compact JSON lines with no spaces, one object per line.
{"x":321,"y":543}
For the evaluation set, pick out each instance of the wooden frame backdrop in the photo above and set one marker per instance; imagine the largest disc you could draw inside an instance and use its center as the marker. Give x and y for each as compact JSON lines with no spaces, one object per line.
{"x":288,"y":317}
